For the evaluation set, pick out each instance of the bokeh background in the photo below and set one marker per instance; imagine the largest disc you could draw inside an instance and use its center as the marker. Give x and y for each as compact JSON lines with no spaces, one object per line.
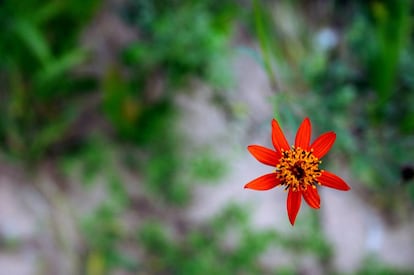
{"x":124,"y":126}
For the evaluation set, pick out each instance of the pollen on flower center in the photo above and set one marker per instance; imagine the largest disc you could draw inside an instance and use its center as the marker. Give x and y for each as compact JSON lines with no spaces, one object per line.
{"x":298,"y":169}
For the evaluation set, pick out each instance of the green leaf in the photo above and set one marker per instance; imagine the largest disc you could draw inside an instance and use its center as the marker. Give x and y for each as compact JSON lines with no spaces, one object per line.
{"x":56,"y":68}
{"x":264,"y":40}
{"x":32,"y":37}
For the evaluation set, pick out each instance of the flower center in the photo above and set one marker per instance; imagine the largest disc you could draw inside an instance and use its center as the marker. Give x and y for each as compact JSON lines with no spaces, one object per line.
{"x":298,"y":169}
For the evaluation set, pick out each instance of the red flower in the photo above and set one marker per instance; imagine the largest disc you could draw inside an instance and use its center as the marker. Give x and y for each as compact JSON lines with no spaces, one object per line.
{"x":297,"y":167}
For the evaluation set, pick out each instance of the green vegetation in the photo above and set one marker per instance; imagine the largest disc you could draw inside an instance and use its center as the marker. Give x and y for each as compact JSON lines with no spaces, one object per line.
{"x":349,"y":70}
{"x":352,"y":66}
{"x":225,"y":245}
{"x":40,"y":90}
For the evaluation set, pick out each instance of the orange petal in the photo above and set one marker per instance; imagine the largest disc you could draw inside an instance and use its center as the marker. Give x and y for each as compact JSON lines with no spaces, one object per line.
{"x":264,"y":182}
{"x":264,"y":155}
{"x":294,"y":200}
{"x":333,"y":181}
{"x":323,"y":144}
{"x":311,"y":196}
{"x":303,"y":134}
{"x":278,"y":138}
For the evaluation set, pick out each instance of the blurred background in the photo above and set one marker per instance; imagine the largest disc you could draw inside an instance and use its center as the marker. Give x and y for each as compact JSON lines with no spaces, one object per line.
{"x":124,"y":126}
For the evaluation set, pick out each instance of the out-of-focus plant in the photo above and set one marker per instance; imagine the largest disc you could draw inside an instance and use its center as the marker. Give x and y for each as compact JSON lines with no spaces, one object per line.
{"x":39,"y":52}
{"x":381,"y":35}
{"x":224,"y":245}
{"x":182,"y":39}
{"x":138,"y":103}
{"x":191,"y":40}
{"x":105,"y":238}
{"x":174,"y":45}
{"x":374,"y":73}
{"x":350,"y":72}
{"x":372,"y":266}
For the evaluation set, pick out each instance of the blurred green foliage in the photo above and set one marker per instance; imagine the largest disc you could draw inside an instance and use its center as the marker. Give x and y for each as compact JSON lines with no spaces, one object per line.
{"x":349,"y":70}
{"x":140,"y":103}
{"x":201,"y":251}
{"x":104,"y":233}
{"x":224,"y":245}
{"x":181,"y":39}
{"x":40,"y":90}
{"x":371,"y":266}
{"x":361,"y":86}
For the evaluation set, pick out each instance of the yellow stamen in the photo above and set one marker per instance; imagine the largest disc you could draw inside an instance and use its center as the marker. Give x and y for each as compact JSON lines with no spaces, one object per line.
{"x":298,"y":169}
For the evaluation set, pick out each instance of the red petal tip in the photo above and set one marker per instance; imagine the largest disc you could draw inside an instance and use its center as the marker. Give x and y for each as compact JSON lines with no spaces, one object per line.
{"x":323,"y":144}
{"x":303,"y":134}
{"x":278,"y":138}
{"x":264,"y":182}
{"x":312,"y":198}
{"x":264,"y":155}
{"x":331,"y":180}
{"x":294,"y":200}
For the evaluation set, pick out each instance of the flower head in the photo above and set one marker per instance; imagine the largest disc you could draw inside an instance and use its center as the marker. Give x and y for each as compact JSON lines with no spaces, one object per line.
{"x":296,"y":167}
